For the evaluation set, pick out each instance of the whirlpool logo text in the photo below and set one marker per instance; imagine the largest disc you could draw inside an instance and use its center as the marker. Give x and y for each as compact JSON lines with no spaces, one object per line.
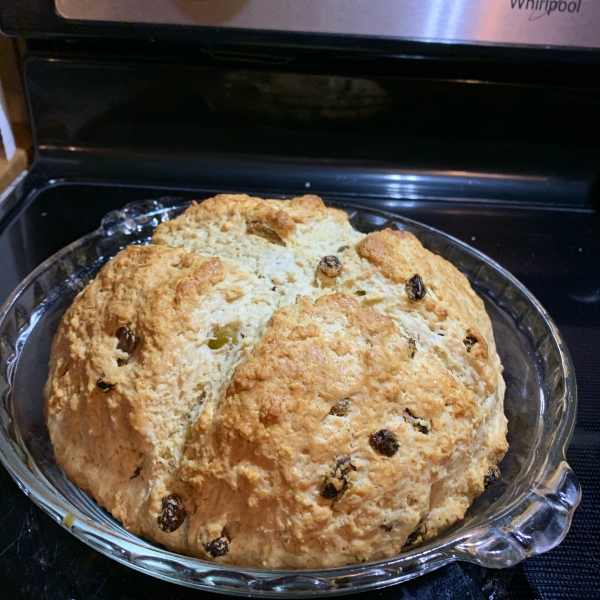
{"x":543,"y":8}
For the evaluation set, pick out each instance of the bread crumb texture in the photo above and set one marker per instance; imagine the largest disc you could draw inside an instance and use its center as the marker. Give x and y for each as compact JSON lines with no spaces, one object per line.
{"x":223,"y":394}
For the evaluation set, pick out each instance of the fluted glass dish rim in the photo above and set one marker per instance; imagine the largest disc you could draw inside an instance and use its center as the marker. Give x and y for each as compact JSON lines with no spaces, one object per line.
{"x":532,"y":516}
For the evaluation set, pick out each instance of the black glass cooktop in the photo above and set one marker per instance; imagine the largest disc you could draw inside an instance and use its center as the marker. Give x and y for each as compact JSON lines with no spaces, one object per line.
{"x":554,"y":251}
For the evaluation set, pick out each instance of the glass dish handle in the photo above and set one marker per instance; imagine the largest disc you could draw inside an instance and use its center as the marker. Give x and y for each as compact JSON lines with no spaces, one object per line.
{"x":136,"y":216}
{"x":535,"y":525}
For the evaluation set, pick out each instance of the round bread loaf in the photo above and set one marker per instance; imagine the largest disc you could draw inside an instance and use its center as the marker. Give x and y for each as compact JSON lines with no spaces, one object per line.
{"x":265,"y":386}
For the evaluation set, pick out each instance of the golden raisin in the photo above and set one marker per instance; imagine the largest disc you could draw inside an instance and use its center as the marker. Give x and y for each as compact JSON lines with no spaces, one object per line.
{"x":223,"y":335}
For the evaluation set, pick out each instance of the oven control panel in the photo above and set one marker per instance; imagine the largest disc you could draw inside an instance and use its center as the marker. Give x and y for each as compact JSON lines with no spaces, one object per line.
{"x":557,"y":23}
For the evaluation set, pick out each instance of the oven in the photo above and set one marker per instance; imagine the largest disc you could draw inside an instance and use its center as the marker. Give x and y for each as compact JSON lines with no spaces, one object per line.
{"x":479,"y":119}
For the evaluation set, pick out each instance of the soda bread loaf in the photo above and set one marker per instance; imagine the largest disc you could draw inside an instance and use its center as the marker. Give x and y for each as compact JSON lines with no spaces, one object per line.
{"x":265,"y":386}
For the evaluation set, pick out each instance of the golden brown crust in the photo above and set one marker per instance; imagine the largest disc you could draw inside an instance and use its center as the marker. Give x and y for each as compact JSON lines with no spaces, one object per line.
{"x":378,"y":249}
{"x":277,"y":215}
{"x":296,"y":419}
{"x":255,"y":210}
{"x":140,"y":417}
{"x":277,"y":409}
{"x":307,"y":208}
{"x":449,"y":304}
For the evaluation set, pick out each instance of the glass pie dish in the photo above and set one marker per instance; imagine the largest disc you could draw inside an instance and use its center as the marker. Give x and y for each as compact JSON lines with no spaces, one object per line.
{"x":528,"y":511}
